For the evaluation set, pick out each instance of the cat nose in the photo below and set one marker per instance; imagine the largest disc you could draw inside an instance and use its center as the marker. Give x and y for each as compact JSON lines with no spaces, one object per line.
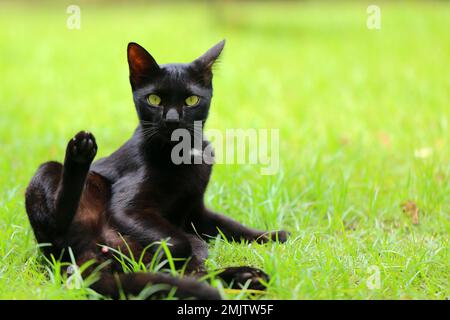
{"x":172,"y":116}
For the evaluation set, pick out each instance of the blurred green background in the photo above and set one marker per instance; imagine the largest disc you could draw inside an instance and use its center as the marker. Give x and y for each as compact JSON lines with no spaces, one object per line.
{"x":363,"y":118}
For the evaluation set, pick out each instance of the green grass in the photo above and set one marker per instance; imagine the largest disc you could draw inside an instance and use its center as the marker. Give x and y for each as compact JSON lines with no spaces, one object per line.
{"x":353,"y":107}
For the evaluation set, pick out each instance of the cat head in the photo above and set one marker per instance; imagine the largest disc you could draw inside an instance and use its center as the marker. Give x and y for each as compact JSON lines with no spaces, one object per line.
{"x":171,"y":96}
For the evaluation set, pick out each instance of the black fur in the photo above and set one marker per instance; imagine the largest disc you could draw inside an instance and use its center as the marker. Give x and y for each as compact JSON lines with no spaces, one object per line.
{"x":137,"y":194}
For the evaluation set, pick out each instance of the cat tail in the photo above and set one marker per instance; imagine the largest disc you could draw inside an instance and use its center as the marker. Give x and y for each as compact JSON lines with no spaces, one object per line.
{"x":152,"y":285}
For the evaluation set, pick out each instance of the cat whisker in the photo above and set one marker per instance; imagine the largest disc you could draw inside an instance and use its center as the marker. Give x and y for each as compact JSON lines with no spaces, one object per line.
{"x":150,"y":136}
{"x":149,"y":132}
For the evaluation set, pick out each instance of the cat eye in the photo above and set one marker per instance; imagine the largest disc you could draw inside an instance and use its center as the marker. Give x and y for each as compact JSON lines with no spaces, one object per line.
{"x":192,"y":101}
{"x":153,"y":100}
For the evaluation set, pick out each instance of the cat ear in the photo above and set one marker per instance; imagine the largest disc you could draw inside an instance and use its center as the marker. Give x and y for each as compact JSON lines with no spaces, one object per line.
{"x":204,"y":63}
{"x":142,"y":65}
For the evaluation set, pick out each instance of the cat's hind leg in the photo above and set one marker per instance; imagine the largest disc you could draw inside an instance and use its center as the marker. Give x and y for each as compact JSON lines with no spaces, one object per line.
{"x":53,"y":195}
{"x":132,"y":284}
{"x":110,"y":281}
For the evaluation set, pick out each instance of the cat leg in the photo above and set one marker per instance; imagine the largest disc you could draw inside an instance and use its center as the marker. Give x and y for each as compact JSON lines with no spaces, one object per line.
{"x":40,"y":200}
{"x":131,"y":284}
{"x":80,"y":153}
{"x":54,"y":192}
{"x":115,"y":284}
{"x":208,"y":224}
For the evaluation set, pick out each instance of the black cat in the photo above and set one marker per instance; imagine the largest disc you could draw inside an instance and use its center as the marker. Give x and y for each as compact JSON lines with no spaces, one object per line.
{"x":138,"y":195}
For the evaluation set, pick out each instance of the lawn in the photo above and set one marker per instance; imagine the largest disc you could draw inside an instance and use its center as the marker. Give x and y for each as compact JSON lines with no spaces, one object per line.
{"x":363,"y":115}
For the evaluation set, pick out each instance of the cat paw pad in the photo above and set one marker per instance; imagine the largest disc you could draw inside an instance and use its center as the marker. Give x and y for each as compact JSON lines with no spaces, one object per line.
{"x":82,"y":148}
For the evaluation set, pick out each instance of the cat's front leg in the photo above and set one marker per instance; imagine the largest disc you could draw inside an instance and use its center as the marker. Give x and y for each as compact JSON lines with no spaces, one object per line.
{"x":210,"y":224}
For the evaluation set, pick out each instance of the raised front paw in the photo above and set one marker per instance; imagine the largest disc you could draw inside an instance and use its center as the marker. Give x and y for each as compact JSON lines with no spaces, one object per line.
{"x":82,"y":148}
{"x":278,"y":236}
{"x":238,"y":277}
